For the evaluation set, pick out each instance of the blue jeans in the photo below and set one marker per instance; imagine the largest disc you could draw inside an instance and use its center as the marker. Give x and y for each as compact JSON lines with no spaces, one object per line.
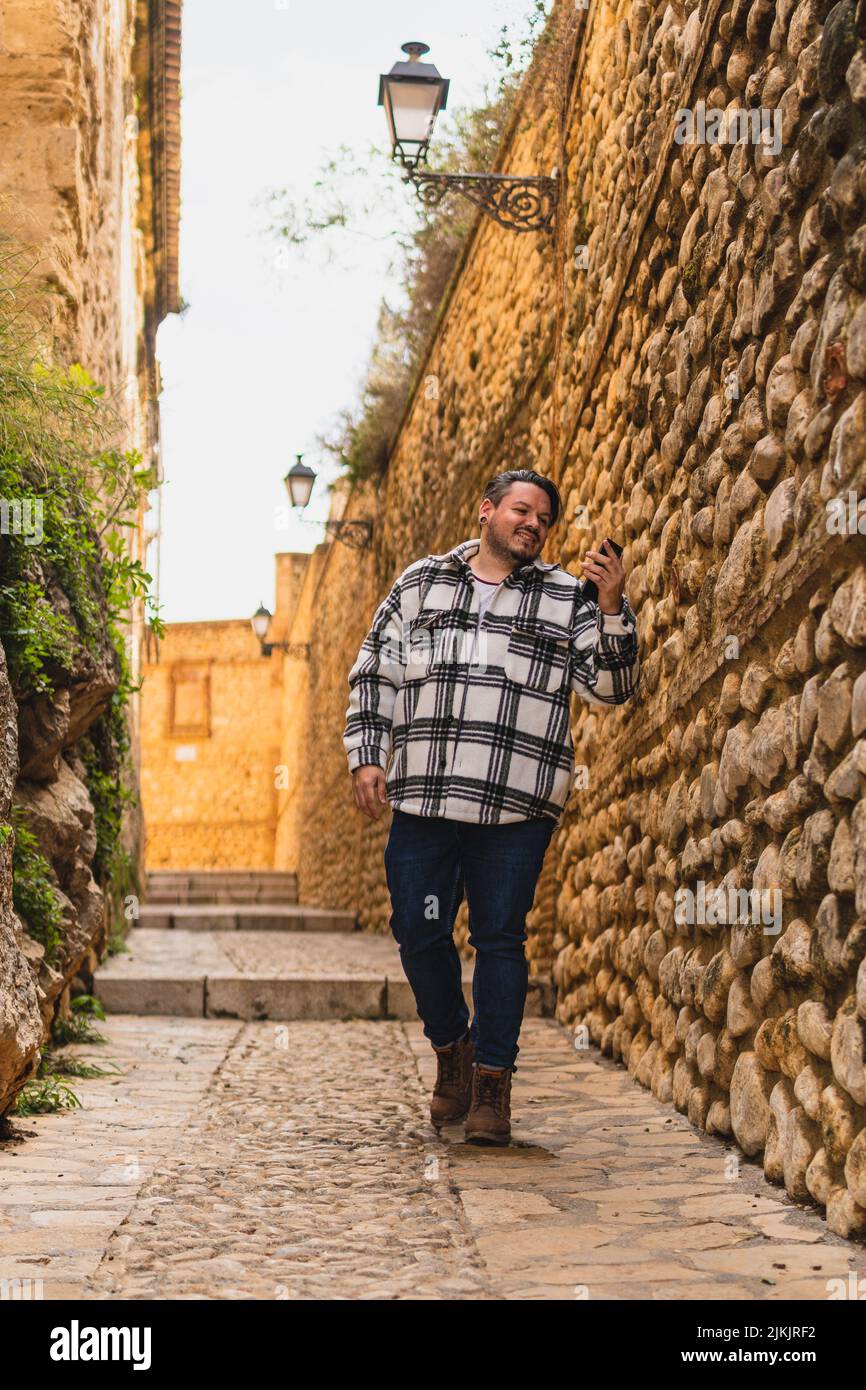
{"x":429,"y":863}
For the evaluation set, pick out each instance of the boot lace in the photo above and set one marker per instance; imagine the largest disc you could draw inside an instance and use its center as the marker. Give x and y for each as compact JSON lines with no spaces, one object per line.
{"x":449,"y":1065}
{"x":490,"y":1088}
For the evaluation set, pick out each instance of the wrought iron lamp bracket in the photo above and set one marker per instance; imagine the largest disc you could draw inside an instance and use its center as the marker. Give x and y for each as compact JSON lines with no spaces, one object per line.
{"x":517,"y":203}
{"x":357,"y":535}
{"x":301,"y":650}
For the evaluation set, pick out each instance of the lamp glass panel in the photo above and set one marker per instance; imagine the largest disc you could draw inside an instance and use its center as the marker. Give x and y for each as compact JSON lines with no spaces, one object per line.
{"x":414,"y":106}
{"x":300,"y":489}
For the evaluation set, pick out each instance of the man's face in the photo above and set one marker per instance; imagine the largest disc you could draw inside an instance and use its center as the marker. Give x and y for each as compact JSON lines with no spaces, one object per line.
{"x":518,"y":527}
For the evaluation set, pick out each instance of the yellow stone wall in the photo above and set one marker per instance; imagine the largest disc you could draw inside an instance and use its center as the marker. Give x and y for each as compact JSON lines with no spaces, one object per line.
{"x":299,"y":580}
{"x":210,"y":735}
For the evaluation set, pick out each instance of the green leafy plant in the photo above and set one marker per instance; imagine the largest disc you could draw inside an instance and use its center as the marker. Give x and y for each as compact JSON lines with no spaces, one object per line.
{"x":45,"y":1096}
{"x":55,"y":1064}
{"x":514,"y":50}
{"x":33,"y":887}
{"x":57,"y":453}
{"x":68,"y":592}
{"x":39,"y":641}
{"x":117,"y":944}
{"x":78,"y":1027}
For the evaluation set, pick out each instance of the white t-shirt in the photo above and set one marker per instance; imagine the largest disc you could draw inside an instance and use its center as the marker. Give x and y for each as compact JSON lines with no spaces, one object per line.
{"x":485,"y":588}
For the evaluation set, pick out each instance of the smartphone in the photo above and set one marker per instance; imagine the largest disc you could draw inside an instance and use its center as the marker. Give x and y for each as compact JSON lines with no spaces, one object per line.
{"x":590,"y":589}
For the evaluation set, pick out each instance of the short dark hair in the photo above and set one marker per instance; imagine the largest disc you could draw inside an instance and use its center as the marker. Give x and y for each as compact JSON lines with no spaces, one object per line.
{"x":499,"y":486}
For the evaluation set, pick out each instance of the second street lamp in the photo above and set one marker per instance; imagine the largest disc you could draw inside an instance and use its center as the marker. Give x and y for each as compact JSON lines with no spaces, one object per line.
{"x":261,"y":621}
{"x":413,"y":93}
{"x":299,"y":481}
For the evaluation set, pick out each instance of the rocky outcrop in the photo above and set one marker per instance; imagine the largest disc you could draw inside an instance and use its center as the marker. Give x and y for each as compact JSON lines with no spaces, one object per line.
{"x":60,"y":814}
{"x":21,"y":1023}
{"x":32,"y":983}
{"x":89,"y":101}
{"x":45,"y":788}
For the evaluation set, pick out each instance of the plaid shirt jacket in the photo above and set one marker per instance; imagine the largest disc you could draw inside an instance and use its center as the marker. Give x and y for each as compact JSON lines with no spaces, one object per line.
{"x":482,"y":734}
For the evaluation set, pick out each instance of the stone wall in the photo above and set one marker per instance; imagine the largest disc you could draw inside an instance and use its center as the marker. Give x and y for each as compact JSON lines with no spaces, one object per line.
{"x":299,"y":593}
{"x":695,"y":380}
{"x":89,"y":186}
{"x":210,"y":749}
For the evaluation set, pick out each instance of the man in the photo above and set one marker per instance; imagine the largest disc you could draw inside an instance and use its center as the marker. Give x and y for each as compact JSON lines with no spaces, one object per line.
{"x":464,"y":681}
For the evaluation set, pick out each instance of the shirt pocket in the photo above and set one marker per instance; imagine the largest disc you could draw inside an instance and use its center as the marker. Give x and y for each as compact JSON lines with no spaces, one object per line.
{"x":429,"y":642}
{"x":537,"y":656}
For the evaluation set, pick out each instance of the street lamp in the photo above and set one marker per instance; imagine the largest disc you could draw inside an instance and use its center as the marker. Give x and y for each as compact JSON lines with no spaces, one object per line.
{"x":261,"y":621}
{"x":357,"y":535}
{"x":299,"y":482}
{"x":413,"y":93}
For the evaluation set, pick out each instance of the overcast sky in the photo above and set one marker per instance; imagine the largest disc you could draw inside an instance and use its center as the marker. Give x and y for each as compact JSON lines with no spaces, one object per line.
{"x":274,"y":345}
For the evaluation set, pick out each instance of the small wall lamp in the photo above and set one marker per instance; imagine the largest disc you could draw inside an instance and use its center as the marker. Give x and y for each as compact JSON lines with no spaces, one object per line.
{"x":261,"y":621}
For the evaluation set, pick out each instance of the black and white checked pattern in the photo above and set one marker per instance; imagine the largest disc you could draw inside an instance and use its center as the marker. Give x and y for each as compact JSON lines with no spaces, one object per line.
{"x":488,"y":739}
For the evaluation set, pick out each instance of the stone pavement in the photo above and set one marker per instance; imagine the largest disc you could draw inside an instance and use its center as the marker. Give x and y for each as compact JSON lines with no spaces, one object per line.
{"x":243,"y":1160}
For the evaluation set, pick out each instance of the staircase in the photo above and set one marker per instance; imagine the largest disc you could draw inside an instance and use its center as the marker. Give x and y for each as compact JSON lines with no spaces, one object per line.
{"x":178,"y":886}
{"x":240,"y":945}
{"x":233,"y":900}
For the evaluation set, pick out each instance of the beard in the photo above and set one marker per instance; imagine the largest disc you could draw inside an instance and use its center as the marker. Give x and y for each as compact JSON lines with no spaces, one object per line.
{"x":506,"y":544}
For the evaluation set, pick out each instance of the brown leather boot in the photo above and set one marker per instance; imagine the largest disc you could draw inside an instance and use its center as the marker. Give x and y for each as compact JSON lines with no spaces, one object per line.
{"x":489,"y":1118}
{"x":453,"y":1090}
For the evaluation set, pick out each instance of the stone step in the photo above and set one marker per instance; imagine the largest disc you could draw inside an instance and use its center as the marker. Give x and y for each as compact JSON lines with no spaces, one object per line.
{"x":217,"y":875}
{"x":220,"y":882}
{"x":269,"y":975}
{"x":200,"y":897}
{"x":229,"y":885}
{"x":244,"y":917}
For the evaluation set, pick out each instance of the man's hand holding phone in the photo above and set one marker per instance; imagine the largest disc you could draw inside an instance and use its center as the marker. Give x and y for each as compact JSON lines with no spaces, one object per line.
{"x":604,"y":572}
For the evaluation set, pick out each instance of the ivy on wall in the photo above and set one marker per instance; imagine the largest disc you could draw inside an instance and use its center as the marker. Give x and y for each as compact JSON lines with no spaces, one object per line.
{"x":68,"y":584}
{"x":33,"y":888}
